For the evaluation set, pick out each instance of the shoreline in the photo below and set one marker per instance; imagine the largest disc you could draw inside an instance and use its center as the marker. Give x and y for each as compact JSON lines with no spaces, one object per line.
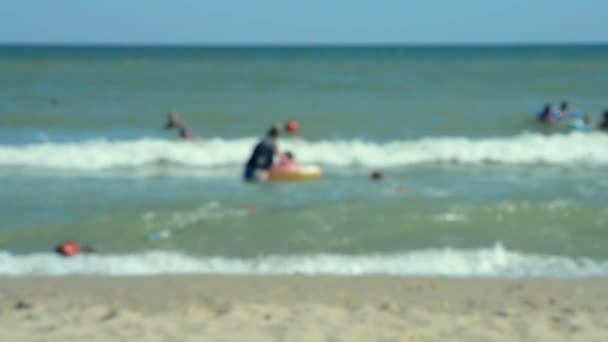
{"x":302,"y":308}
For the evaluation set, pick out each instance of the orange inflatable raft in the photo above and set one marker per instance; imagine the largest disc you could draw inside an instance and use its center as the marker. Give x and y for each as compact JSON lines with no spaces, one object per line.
{"x":295,"y":173}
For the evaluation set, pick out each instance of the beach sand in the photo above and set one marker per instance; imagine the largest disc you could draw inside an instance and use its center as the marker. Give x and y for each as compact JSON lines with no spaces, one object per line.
{"x":300,"y":308}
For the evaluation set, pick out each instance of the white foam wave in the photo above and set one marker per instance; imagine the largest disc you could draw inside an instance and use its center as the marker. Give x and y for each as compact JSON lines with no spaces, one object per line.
{"x":487,"y":262}
{"x":213,"y":153}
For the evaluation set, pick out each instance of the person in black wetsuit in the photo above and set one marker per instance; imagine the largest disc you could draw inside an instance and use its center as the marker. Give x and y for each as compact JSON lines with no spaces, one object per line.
{"x":261,"y":159}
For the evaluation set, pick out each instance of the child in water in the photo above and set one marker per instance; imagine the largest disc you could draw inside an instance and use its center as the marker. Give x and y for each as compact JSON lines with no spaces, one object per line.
{"x":286,"y":161}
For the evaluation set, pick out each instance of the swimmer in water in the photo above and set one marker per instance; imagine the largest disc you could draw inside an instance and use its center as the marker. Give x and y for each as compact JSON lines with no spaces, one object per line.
{"x":377,"y":175}
{"x":173,"y":121}
{"x":286,"y":161}
{"x":547,"y":115}
{"x":565,"y":112}
{"x":603,"y":126}
{"x":260,"y":162}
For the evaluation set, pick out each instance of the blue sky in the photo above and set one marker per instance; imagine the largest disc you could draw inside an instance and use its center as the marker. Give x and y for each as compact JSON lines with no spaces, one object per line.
{"x":303,"y":22}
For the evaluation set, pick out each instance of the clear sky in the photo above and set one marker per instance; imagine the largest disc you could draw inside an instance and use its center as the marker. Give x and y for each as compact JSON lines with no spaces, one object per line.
{"x":303,"y":21}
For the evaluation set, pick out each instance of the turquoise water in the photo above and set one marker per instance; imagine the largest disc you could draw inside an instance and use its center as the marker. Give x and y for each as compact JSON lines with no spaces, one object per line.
{"x":473,"y":186}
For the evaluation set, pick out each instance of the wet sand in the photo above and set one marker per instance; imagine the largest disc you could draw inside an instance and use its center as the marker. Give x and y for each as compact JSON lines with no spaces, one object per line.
{"x":299,"y":308}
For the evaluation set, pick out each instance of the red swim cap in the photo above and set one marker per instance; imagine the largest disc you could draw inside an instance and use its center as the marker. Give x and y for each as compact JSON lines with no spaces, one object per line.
{"x":291,"y":126}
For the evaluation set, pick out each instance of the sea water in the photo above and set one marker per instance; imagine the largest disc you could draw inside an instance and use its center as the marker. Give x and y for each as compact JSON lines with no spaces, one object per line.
{"x":473,"y":184}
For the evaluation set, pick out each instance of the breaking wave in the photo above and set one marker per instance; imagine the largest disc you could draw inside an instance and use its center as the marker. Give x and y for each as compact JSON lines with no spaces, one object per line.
{"x":573,"y":149}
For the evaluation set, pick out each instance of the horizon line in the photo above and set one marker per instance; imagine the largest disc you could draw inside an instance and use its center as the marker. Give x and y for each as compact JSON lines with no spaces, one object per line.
{"x":302,"y":45}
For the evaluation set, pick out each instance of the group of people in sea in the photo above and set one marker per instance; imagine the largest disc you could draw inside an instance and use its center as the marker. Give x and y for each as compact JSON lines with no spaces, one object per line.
{"x":577,"y":121}
{"x":257,"y":168}
{"x":261,"y":161}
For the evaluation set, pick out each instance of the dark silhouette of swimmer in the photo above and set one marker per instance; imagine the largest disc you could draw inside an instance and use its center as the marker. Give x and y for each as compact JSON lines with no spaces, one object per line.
{"x":173,"y":121}
{"x":566,"y":112}
{"x":377,"y":175}
{"x":261,"y":159}
{"x":603,"y":126}
{"x":546,"y":115}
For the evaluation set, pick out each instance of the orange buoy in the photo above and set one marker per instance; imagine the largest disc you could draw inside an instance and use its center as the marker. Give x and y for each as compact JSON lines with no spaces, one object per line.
{"x":68,"y":248}
{"x":291,"y":126}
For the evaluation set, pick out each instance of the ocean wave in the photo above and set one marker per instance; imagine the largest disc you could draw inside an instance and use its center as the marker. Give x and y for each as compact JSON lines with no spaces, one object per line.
{"x":485,"y":262}
{"x":573,"y":149}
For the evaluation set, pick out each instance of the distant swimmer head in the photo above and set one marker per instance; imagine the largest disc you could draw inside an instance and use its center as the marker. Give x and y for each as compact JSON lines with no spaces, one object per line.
{"x":545,"y":113}
{"x":289,"y":155}
{"x":564,"y":106}
{"x":273,"y":132}
{"x":172,"y":120}
{"x":377,"y":175}
{"x":604,"y":122}
{"x":291,"y":126}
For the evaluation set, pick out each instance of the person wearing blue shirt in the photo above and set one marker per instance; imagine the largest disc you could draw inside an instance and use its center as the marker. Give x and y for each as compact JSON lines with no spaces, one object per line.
{"x":547,"y":115}
{"x":568,"y":113}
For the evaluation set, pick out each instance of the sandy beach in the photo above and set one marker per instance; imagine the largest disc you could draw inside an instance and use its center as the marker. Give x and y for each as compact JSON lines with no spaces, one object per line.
{"x":298,"y":308}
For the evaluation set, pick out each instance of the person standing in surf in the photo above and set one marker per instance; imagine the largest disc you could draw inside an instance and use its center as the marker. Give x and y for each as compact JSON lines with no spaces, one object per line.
{"x":261,"y":159}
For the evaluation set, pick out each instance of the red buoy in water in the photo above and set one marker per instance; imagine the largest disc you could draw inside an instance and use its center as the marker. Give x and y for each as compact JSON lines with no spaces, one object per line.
{"x":291,"y":126}
{"x":68,"y":248}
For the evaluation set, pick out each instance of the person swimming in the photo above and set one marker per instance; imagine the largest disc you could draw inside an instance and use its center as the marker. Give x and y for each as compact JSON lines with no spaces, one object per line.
{"x":603,"y":126}
{"x":547,"y":115}
{"x":261,"y":159}
{"x":376,"y":175}
{"x":565,"y":112}
{"x":173,"y":121}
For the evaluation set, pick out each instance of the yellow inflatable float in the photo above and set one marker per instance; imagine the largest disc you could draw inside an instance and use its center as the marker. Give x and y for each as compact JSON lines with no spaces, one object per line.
{"x":295,"y":173}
